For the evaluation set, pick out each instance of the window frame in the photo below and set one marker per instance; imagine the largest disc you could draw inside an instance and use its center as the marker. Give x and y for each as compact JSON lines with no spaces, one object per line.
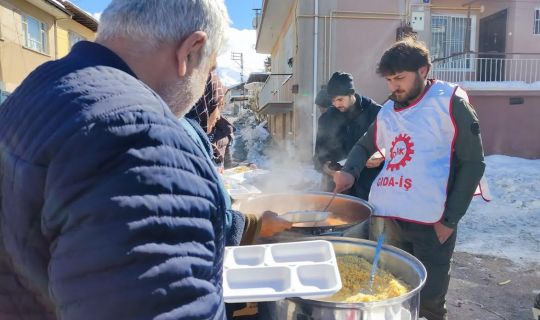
{"x":536,"y":21}
{"x":472,"y":44}
{"x":71,"y":36}
{"x":43,"y":35}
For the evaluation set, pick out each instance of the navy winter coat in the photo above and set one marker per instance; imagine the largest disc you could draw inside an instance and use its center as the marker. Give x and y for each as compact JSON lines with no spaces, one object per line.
{"x":108,"y":209}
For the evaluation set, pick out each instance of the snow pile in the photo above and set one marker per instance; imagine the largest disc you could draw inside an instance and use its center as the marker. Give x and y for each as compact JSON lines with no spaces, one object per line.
{"x":509,"y":225}
{"x":250,"y":139}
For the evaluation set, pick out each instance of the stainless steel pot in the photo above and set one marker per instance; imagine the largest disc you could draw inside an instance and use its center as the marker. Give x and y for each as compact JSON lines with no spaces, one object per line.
{"x":346,"y":211}
{"x":401,"y":264}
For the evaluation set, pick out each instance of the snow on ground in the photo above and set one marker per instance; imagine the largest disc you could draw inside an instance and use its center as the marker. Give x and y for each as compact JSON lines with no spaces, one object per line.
{"x":509,"y":225}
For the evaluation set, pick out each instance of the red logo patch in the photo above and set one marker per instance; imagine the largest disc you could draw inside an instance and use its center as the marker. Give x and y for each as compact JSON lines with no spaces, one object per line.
{"x":400,"y":152}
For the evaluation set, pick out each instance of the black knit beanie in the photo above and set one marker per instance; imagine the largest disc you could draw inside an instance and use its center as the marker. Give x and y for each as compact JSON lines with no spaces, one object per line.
{"x":322,"y":99}
{"x":340,"y":84}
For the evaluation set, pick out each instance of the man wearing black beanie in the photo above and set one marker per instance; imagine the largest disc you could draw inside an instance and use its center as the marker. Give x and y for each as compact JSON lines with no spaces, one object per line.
{"x":339,"y":129}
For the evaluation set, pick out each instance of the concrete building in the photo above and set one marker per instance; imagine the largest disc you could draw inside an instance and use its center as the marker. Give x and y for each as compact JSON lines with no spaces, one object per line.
{"x":36,"y":31}
{"x":490,"y":47}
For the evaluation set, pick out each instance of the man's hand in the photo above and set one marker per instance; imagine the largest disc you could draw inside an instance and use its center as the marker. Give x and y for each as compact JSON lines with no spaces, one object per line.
{"x":272,"y":224}
{"x":442,"y":231}
{"x":343,"y":181}
{"x":326,"y":169}
{"x":375,"y":160}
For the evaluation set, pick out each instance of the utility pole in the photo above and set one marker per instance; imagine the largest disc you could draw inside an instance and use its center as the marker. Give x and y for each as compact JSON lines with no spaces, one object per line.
{"x":238,"y":57}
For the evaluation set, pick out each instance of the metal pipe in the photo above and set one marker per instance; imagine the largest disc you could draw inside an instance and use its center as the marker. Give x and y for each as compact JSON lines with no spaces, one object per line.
{"x":454,"y":8}
{"x":372,"y":13}
{"x":315,"y":78}
{"x":367,"y":17}
{"x":325,"y":70}
{"x":55,"y":32}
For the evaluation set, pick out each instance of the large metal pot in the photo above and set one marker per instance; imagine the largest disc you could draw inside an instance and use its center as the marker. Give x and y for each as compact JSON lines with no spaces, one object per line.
{"x":346,"y":211}
{"x":401,"y":264}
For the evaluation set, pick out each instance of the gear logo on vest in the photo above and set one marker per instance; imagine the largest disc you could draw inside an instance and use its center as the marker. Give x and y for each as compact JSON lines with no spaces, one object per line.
{"x":400,"y":152}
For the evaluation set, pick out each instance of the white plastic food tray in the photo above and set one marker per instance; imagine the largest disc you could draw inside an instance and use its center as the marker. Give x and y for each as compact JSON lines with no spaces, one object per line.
{"x":275,"y":271}
{"x":242,"y":191}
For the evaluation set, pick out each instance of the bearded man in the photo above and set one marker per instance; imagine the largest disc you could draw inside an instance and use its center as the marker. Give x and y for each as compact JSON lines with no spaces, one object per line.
{"x":430,"y":137}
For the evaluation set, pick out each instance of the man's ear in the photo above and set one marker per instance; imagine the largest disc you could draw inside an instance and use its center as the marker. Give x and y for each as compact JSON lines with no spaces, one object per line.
{"x":190,"y":53}
{"x":424,"y":70}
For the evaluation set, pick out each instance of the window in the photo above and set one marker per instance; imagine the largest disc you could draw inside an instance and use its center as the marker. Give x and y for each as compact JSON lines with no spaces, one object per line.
{"x":74,"y":38}
{"x":537,"y":21}
{"x":35,"y":34}
{"x":448,"y":36}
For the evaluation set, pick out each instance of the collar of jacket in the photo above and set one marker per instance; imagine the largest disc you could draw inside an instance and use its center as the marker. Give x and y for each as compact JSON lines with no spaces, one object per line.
{"x":94,"y":54}
{"x":357,"y":107}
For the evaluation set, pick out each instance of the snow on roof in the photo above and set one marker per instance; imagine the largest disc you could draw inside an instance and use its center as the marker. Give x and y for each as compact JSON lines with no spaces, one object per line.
{"x":500,"y":85}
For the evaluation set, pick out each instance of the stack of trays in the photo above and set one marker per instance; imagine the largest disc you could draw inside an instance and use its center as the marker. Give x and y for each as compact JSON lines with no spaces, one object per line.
{"x":269,"y":272}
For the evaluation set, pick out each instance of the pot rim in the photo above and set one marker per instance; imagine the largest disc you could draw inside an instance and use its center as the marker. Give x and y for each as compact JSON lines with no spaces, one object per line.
{"x":368,"y":205}
{"x":419,"y":267}
{"x":339,"y":195}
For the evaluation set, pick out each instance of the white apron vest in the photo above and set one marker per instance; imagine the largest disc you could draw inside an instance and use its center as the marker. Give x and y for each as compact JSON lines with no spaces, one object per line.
{"x":417,"y":142}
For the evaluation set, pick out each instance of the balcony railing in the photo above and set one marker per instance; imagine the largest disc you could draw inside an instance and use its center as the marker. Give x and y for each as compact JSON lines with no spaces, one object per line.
{"x":488,"y":68}
{"x":277,"y":88}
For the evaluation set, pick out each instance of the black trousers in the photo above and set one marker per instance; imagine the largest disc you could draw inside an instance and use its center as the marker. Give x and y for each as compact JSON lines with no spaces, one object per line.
{"x":421,"y":241}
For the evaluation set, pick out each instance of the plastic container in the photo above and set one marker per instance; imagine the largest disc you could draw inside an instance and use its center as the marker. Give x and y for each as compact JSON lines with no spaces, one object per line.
{"x":242,"y":191}
{"x":276,"y":271}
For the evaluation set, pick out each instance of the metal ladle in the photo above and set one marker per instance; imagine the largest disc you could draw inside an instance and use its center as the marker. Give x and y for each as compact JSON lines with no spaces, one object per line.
{"x":330,"y":202}
{"x":308,"y":215}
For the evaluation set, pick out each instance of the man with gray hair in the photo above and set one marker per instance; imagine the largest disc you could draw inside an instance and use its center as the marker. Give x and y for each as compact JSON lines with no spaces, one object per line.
{"x":109,"y":209}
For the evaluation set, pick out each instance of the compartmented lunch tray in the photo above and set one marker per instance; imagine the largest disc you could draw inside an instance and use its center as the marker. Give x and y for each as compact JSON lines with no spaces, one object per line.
{"x":275,"y":271}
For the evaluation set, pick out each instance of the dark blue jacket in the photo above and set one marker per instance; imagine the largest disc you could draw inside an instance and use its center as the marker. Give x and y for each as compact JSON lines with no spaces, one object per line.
{"x":108,"y":209}
{"x":337,"y":134}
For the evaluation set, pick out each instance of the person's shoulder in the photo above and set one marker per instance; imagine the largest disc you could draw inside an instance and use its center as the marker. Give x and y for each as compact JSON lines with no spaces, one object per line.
{"x":462,"y":110}
{"x":367,"y":102}
{"x":461,"y":103}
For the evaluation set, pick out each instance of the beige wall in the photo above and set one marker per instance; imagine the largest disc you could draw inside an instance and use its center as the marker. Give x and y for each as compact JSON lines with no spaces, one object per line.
{"x":523,"y":39}
{"x":509,"y":129}
{"x":64,"y":27}
{"x":17,"y":61}
{"x":281,"y":125}
{"x":359,"y":41}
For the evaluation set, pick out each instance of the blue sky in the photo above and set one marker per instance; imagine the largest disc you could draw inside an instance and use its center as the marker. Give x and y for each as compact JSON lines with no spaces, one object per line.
{"x":240,"y":11}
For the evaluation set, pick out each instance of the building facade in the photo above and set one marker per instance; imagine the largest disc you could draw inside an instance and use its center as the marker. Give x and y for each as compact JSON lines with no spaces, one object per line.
{"x":490,"y":47}
{"x":36,"y":31}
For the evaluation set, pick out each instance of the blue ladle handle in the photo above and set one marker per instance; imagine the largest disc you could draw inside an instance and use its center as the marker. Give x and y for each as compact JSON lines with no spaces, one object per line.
{"x":375,"y":260}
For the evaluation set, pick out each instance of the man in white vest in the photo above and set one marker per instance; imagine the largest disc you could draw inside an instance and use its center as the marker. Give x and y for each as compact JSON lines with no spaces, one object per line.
{"x":430,"y":137}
